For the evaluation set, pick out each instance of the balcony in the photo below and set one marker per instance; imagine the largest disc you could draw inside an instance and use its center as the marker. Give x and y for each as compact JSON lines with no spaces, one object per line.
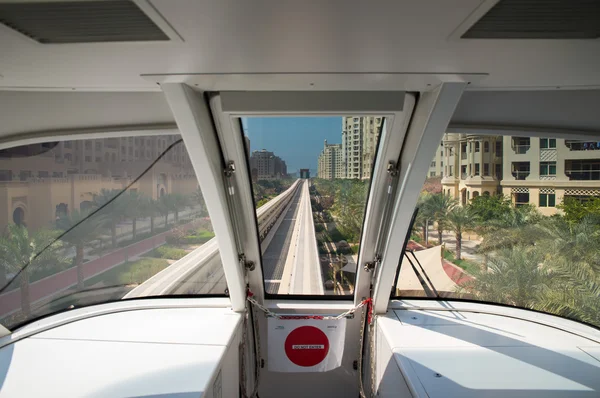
{"x":520,"y":145}
{"x":520,"y":149}
{"x":520,"y":175}
{"x":582,"y":145}
{"x":583,"y":170}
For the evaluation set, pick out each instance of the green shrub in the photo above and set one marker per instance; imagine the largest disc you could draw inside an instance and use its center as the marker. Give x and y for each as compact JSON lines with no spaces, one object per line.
{"x":319,"y":227}
{"x":168,"y":252}
{"x":142,"y":270}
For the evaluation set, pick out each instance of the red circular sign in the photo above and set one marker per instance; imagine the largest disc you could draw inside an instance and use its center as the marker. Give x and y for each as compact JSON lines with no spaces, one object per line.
{"x":306,"y":346}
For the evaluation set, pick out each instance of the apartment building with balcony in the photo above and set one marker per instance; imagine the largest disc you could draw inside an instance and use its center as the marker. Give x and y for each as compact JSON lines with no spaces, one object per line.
{"x":331,"y":162}
{"x":472,"y":165}
{"x":359,"y":143}
{"x":544,"y":171}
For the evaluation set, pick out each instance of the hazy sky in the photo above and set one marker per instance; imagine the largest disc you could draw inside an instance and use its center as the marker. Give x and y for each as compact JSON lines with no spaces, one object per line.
{"x":297,"y":140}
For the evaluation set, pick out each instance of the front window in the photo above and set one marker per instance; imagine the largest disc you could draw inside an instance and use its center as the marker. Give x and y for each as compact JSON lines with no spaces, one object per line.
{"x":88,"y":236}
{"x":519,"y":242}
{"x":310,"y":180}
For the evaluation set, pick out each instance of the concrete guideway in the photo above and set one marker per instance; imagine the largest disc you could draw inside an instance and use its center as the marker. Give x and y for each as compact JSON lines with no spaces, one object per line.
{"x":306,"y":277}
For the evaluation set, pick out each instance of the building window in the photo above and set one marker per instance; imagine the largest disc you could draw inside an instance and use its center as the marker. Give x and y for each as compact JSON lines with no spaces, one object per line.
{"x":24,"y":175}
{"x":547,"y":168}
{"x":486,"y":146}
{"x":433,"y":164}
{"x":442,"y":153}
{"x":98,"y":159}
{"x":88,"y":145}
{"x":463,"y":172}
{"x":476,"y":169}
{"x":521,"y":199}
{"x":88,"y":158}
{"x":441,"y":163}
{"x":547,"y":200}
{"x":476,"y":146}
{"x":486,"y":169}
{"x":450,"y":170}
{"x":98,"y":145}
{"x":68,"y":144}
{"x":499,"y":148}
{"x":548,"y":143}
{"x":432,"y":174}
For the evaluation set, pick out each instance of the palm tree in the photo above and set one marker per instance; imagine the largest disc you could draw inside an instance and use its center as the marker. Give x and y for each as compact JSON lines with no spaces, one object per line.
{"x":80,"y":229}
{"x":165,"y":205}
{"x":517,"y":226}
{"x":134,"y":204}
{"x":180,"y":202}
{"x":198,"y":198}
{"x":439,"y":205}
{"x":572,"y":259}
{"x":424,"y":215}
{"x":460,"y":219}
{"x":515,"y":277}
{"x":22,"y":252}
{"x":112,"y":210}
{"x":148,"y":208}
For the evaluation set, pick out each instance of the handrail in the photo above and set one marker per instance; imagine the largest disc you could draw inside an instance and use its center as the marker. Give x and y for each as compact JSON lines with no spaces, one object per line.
{"x":168,"y":279}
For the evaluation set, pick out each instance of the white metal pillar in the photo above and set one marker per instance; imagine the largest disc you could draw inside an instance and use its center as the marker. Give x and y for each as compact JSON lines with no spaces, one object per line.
{"x":193,"y":117}
{"x":431,"y":117}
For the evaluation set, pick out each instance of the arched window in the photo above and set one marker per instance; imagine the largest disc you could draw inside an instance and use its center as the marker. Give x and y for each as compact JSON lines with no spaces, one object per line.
{"x":19,"y":216}
{"x":486,"y":146}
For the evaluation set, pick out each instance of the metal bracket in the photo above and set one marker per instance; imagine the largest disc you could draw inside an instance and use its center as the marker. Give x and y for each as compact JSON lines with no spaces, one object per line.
{"x":392,"y":168}
{"x":229,"y":169}
{"x":248,"y":265}
{"x":371,"y":265}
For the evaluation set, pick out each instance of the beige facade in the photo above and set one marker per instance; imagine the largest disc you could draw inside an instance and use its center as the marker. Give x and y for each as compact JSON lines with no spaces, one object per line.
{"x":359,"y":144}
{"x":436,"y":168}
{"x":472,"y":165}
{"x":331,"y":162}
{"x":35,"y":188}
{"x":538,"y":171}
{"x":543,"y":171}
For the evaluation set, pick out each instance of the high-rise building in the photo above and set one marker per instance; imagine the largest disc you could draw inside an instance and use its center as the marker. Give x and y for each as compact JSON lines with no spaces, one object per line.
{"x":359,"y":143}
{"x":530,"y":170}
{"x":331,"y":162}
{"x":264,"y":165}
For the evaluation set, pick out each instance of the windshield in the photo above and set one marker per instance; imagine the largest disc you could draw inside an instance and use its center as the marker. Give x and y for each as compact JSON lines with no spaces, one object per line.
{"x":511,"y":220}
{"x":89,"y":221}
{"x":310,"y":178}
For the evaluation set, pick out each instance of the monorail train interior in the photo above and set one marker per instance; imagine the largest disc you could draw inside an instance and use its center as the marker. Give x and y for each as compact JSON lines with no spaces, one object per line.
{"x":278,"y":198}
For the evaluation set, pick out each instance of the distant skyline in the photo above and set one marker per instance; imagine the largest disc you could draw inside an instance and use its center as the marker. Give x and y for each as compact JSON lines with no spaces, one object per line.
{"x":297,"y":140}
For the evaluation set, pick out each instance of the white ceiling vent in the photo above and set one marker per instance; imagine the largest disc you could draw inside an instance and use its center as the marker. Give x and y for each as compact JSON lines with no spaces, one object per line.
{"x":539,"y":19}
{"x":54,"y":22}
